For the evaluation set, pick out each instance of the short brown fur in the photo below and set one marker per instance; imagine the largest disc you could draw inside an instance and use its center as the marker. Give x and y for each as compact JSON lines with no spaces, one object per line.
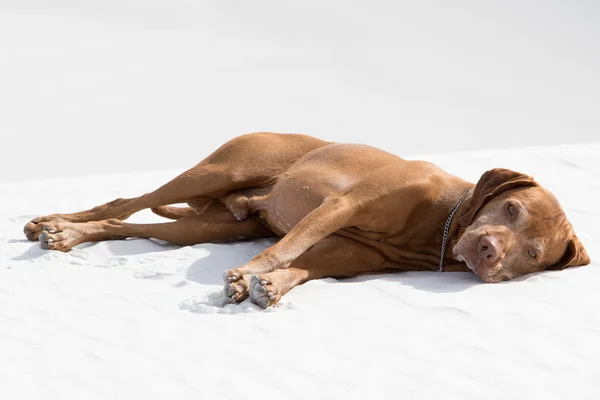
{"x":341,"y":210}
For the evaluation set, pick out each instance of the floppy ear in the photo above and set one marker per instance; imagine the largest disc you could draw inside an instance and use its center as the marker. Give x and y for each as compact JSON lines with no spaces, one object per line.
{"x":490,"y":185}
{"x":575,"y":254}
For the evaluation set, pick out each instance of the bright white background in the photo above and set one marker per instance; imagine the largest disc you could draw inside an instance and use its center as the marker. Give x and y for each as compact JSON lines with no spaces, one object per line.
{"x":85,"y":84}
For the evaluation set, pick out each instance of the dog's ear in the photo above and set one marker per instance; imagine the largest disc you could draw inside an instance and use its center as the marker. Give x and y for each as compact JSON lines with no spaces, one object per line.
{"x":575,"y":254}
{"x":490,"y":185}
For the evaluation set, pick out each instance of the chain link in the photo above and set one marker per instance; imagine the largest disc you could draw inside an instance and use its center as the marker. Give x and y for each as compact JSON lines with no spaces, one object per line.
{"x":447,"y":228}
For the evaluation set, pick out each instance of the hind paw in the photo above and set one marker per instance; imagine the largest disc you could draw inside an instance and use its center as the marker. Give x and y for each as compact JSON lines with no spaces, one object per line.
{"x":33,"y":228}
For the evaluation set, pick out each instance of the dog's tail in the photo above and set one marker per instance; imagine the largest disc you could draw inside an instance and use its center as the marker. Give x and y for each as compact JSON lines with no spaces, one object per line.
{"x":174,"y":212}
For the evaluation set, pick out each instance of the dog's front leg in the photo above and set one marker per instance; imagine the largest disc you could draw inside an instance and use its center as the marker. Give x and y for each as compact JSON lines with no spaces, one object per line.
{"x":335,"y":213}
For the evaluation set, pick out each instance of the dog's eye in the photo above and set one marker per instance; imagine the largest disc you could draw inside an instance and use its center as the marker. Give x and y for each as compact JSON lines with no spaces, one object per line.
{"x":532,"y":253}
{"x":511,"y":209}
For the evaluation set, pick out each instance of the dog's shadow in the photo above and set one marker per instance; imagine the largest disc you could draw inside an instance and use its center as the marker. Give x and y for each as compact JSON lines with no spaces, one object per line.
{"x":435,"y":282}
{"x":428,"y":281}
{"x":209,"y":270}
{"x":113,"y":248}
{"x":128,"y":247}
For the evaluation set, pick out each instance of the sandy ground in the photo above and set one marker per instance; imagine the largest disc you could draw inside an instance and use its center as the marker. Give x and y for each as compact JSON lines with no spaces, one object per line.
{"x":143,"y":319}
{"x":142,"y":89}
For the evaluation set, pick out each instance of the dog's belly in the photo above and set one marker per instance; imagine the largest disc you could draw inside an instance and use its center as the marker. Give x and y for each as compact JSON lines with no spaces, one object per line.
{"x":317,"y":175}
{"x":304,"y":186}
{"x":295,"y":195}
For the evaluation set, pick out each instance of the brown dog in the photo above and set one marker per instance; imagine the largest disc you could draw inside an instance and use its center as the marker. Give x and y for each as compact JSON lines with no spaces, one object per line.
{"x":342,"y":210}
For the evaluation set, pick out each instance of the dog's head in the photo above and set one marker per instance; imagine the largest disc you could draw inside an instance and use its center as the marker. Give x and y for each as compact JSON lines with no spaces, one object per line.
{"x":513,"y":226}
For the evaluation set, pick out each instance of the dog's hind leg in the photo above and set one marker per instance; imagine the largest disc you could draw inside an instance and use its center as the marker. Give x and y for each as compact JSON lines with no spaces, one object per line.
{"x":206,"y":180}
{"x":214,"y":224}
{"x":174,"y":212}
{"x":247,"y":161}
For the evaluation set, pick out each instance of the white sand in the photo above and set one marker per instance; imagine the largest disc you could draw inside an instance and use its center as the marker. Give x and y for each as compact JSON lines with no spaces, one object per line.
{"x":139,"y":319}
{"x":119,"y":86}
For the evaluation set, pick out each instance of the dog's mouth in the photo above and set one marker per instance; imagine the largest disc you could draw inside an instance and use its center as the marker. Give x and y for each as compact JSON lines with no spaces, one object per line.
{"x":488,"y":275}
{"x":461,"y":258}
{"x":469,"y":263}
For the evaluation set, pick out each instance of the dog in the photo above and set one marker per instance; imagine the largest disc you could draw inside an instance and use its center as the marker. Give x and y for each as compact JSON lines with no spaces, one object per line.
{"x":341,"y":210}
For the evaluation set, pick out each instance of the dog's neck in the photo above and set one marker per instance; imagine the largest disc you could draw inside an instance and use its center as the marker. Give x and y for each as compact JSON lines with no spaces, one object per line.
{"x":455,"y":232}
{"x":446,"y":232}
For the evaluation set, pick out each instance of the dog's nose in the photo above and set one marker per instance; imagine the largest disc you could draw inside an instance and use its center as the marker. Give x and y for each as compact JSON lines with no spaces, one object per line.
{"x":491,"y":249}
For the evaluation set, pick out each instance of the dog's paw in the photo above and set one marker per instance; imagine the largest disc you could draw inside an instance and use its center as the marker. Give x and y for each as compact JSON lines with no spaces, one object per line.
{"x":262,"y":291}
{"x":236,"y":291}
{"x":51,"y":238}
{"x":33,"y":228}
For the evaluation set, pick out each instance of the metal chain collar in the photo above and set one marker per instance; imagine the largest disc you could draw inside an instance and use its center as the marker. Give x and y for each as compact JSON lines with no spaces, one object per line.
{"x":447,"y":228}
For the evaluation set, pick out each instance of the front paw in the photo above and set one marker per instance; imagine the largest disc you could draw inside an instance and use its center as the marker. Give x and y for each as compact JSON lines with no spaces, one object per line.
{"x":263,"y":292}
{"x":235,"y":291}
